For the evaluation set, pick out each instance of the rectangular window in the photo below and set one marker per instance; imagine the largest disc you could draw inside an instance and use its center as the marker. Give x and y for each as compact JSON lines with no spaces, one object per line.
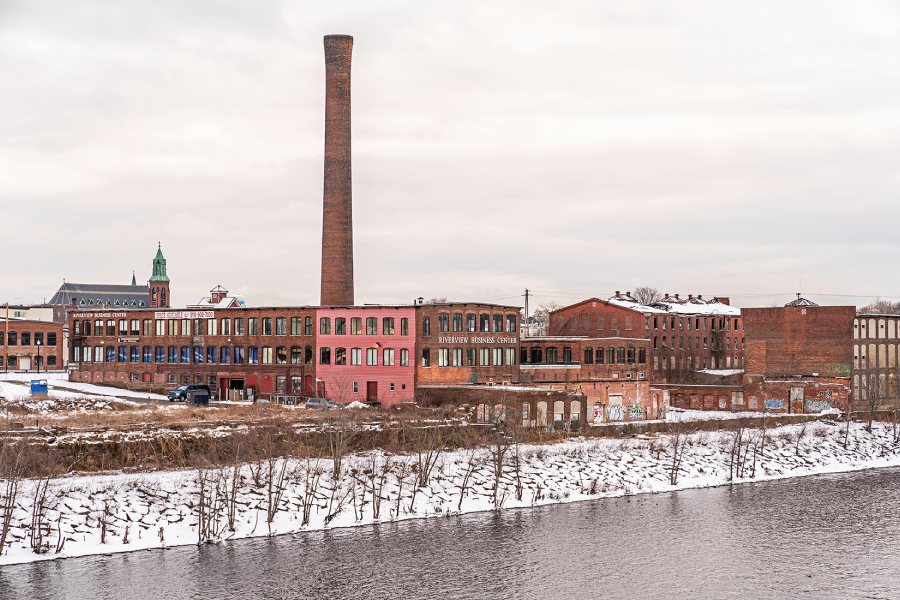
{"x":239,"y":355}
{"x":485,"y":323}
{"x":355,"y":387}
{"x":404,"y":357}
{"x":392,"y":386}
{"x":387,"y":325}
{"x":426,"y":326}
{"x":281,"y":326}
{"x":296,"y":355}
{"x":704,"y":343}
{"x":471,"y":323}
{"x":280,"y":381}
{"x":308,"y":325}
{"x":252,"y":355}
{"x":38,"y":338}
{"x":371,"y":356}
{"x":426,"y":357}
{"x":340,"y":356}
{"x":387,"y":357}
{"x":211,"y":326}
{"x":325,"y":327}
{"x":498,"y":356}
{"x":443,"y":357}
{"x":510,"y":356}
{"x":356,"y":326}
{"x":123,"y":326}
{"x":159,"y":354}
{"x":110,"y":328}
{"x":134,"y":355}
{"x":147,"y":354}
{"x":470,"y":358}
{"x":485,"y":357}
{"x":185,"y":327}
{"x":355,"y":356}
{"x":646,"y":322}
{"x":135,"y":327}
{"x":199,"y":326}
{"x":198,"y":355}
{"x":340,"y":326}
{"x":404,"y":326}
{"x":567,"y":355}
{"x":457,"y":357}
{"x":371,"y":326}
{"x":552,"y":357}
{"x":627,"y":322}
{"x":620,"y":355}
{"x":510,"y":323}
{"x":296,"y":384}
{"x":239,"y":326}
{"x":457,"y":322}
{"x":601,"y":356}
{"x":225,"y":326}
{"x":253,"y":326}
{"x":12,"y":338}
{"x":211,"y":354}
{"x":51,"y":360}
{"x":148,"y":327}
{"x":98,"y":354}
{"x":498,"y":323}
{"x":160,"y":327}
{"x":267,"y":326}
{"x":122,"y":354}
{"x":296,"y":326}
{"x":25,"y":338}
{"x":225,"y":355}
{"x":76,"y":329}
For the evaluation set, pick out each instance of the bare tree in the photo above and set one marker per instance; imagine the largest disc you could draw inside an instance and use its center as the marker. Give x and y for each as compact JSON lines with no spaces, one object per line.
{"x":647,"y":295}
{"x":872,"y":394}
{"x":340,"y":425}
{"x":880,"y":307}
{"x":542,"y":312}
{"x":437,"y":300}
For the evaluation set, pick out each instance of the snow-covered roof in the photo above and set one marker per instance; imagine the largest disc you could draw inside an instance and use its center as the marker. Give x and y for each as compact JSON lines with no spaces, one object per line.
{"x":689,"y":306}
{"x":236,"y":301}
{"x":801,"y":302}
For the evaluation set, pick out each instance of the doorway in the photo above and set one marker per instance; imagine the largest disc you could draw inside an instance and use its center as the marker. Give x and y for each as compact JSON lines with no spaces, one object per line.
{"x":372,"y":391}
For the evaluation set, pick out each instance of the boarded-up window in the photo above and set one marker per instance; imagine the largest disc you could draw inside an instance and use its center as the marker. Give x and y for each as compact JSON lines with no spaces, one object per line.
{"x":600,"y":322}
{"x":614,"y":322}
{"x":628,"y":322}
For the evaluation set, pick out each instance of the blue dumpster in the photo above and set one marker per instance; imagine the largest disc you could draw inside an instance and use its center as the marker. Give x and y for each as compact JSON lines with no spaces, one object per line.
{"x":38,"y":386}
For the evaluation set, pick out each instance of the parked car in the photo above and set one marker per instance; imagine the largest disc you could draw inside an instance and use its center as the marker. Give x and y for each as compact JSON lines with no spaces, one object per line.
{"x":321,"y":403}
{"x":180,"y":394}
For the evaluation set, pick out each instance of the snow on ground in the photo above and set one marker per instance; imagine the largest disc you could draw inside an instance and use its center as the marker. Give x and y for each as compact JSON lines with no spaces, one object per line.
{"x":721,"y":371}
{"x":58,"y":385}
{"x":116,"y":513}
{"x":686,"y":415}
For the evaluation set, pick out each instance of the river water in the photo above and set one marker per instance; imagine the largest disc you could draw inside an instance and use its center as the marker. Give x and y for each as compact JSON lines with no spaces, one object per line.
{"x":829,"y":536}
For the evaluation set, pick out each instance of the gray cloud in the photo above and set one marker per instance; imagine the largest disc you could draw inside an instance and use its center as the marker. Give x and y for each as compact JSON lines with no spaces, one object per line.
{"x":574,"y":148}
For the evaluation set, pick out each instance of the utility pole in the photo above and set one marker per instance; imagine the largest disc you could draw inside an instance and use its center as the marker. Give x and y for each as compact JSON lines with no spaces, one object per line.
{"x":527,"y":323}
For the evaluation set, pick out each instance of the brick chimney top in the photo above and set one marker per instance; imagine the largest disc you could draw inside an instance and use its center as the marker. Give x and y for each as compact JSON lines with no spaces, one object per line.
{"x":676,"y":296}
{"x":690,"y":296}
{"x":617,"y":292}
{"x":628,"y":294}
{"x":699,"y":296}
{"x":667,"y":297}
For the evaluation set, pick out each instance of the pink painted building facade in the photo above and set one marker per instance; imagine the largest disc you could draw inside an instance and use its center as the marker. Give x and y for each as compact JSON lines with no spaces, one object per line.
{"x":366,"y":353}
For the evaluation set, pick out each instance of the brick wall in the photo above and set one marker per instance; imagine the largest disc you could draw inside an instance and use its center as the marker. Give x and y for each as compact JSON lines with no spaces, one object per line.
{"x":794,"y":340}
{"x":433,"y":340}
{"x":24,"y":351}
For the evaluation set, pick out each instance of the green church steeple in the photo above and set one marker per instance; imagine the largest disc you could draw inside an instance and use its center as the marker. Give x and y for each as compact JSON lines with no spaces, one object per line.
{"x":133,"y":280}
{"x":159,"y":266}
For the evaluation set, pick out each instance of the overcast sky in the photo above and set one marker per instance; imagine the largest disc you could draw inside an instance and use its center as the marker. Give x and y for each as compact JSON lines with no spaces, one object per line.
{"x":573,"y":148}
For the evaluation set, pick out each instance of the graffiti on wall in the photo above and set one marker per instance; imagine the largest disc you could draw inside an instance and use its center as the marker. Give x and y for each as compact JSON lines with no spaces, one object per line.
{"x":723,"y":402}
{"x":753,"y":403}
{"x":817,"y":406}
{"x":774,"y":404}
{"x":661,"y":412}
{"x":616,"y":412}
{"x":635,"y":412}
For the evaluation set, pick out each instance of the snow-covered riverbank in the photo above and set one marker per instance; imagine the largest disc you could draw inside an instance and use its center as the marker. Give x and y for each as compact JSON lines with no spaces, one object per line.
{"x":86,"y":515}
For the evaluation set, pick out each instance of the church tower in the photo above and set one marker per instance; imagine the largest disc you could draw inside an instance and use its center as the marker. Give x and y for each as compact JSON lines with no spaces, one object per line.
{"x":159,"y":282}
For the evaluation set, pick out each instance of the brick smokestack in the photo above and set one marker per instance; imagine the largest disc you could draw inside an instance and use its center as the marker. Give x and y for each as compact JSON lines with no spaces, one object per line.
{"x":337,"y":217}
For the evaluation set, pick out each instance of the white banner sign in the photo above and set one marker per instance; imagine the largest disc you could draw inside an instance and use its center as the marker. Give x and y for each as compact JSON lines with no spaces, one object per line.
{"x":187,"y":314}
{"x":471,"y":339}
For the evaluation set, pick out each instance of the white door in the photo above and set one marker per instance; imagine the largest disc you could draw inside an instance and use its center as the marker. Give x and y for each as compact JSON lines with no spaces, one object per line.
{"x":24,"y":362}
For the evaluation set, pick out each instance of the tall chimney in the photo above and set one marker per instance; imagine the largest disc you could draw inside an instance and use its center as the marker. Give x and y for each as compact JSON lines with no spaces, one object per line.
{"x":337,"y":213}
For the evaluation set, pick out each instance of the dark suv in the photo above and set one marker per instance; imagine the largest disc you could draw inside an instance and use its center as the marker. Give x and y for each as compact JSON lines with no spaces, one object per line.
{"x":180,"y":394}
